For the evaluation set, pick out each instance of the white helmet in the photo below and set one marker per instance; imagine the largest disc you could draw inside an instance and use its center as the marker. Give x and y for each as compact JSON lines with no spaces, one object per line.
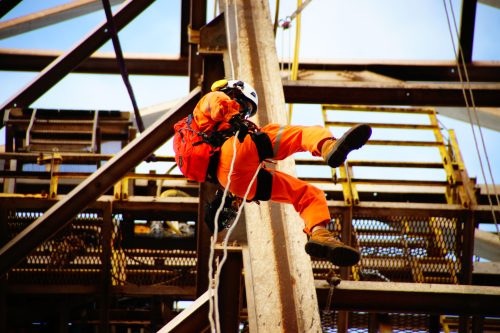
{"x":242,"y":92}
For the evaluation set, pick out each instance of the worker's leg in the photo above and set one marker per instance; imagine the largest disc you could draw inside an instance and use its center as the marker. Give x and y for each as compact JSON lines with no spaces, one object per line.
{"x":319,"y":141}
{"x":287,"y":140}
{"x":308,"y":201}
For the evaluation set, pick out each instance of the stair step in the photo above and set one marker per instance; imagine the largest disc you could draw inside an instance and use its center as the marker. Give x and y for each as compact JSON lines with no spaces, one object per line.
{"x":57,"y":142}
{"x":60,"y":148}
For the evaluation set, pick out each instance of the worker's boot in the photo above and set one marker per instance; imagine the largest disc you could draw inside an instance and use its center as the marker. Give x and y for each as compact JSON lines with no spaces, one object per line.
{"x":335,"y":151}
{"x":323,"y":245}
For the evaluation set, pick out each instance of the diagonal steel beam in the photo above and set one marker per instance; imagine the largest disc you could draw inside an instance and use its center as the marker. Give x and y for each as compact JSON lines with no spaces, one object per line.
{"x":64,"y":64}
{"x":7,"y":5}
{"x":192,"y":319}
{"x":61,"y":214}
{"x":467,"y":25}
{"x":50,"y":16}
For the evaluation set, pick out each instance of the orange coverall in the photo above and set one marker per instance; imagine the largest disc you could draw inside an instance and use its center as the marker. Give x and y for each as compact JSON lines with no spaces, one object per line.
{"x":308,"y":201}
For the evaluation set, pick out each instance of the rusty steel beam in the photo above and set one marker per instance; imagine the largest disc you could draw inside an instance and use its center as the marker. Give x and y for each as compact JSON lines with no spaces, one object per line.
{"x":467,"y":25}
{"x":50,"y":16}
{"x":61,"y":214}
{"x":412,"y":297}
{"x":7,"y":5}
{"x":197,"y":19}
{"x":99,"y":63}
{"x":369,"y":93}
{"x":479,"y":71}
{"x":103,"y":63}
{"x":64,"y":64}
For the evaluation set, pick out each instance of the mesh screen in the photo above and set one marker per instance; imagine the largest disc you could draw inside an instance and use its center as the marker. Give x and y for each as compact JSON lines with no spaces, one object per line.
{"x":74,"y":255}
{"x":361,"y":322}
{"x":408,"y":249}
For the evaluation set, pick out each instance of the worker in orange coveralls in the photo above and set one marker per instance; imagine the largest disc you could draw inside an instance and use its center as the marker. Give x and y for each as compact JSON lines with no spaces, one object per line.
{"x":229,"y":104}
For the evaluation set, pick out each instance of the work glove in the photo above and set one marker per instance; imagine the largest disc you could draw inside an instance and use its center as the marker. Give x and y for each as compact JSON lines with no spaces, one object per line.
{"x":241,"y":125}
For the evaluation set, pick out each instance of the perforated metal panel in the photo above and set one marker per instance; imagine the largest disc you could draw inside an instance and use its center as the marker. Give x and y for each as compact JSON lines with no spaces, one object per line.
{"x":73,"y":256}
{"x":408,"y":249}
{"x":359,"y":322}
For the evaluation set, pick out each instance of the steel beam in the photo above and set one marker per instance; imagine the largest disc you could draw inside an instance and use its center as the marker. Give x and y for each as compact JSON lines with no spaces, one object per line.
{"x":213,"y":69}
{"x":196,"y":21}
{"x":192,"y":319}
{"x":164,"y":64}
{"x":467,"y":25}
{"x":60,"y":67}
{"x":100,"y":63}
{"x":7,"y":5}
{"x":50,"y":16}
{"x":368,"y":93}
{"x":61,"y":214}
{"x":279,"y":284}
{"x":412,"y":297}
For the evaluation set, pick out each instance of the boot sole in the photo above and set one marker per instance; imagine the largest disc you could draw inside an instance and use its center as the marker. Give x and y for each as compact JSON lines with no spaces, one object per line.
{"x":338,"y":255}
{"x":353,"y":139}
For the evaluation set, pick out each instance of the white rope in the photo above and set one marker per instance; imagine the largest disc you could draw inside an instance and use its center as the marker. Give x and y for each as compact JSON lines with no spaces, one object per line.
{"x":229,"y":41}
{"x":459,"y":56}
{"x":214,"y":238}
{"x":214,"y":280}
{"x":224,"y":246}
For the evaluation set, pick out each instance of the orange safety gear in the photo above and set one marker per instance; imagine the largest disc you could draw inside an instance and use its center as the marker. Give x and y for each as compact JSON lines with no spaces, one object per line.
{"x":242,"y":92}
{"x":214,"y":111}
{"x":308,"y":201}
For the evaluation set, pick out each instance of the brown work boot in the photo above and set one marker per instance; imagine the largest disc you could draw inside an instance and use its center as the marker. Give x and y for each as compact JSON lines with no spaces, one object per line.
{"x":323,"y":245}
{"x":335,"y":151}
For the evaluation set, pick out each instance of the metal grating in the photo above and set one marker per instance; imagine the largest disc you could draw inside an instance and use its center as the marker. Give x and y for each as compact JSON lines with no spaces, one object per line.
{"x":408,"y":249}
{"x":359,"y":322}
{"x":142,"y":266}
{"x":73,"y":256}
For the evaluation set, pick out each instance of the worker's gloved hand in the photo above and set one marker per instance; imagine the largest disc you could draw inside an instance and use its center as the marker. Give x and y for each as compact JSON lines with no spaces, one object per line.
{"x":241,"y":125}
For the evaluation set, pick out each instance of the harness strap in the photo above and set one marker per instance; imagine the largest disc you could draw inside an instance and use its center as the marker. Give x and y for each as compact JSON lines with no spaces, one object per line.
{"x":263,"y":144}
{"x":264,"y":185}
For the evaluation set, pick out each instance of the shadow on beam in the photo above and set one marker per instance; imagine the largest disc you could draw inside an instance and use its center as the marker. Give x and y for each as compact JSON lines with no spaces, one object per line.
{"x":61,"y":214}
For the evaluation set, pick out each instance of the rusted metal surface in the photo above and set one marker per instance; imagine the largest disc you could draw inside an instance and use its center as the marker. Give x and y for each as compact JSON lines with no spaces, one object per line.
{"x":50,"y":16}
{"x":368,"y":93}
{"x":413,"y":297}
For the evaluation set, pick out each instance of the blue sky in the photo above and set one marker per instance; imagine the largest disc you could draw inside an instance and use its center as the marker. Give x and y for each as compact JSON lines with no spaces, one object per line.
{"x":331,"y":29}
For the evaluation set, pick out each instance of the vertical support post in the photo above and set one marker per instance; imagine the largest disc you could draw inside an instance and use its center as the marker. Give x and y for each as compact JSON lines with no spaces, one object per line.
{"x":345,"y":272}
{"x":230,"y":292}
{"x":467,"y":265}
{"x":467,"y":248}
{"x":434,"y":324}
{"x":213,"y":70}
{"x":197,"y":20}
{"x":279,"y":275}
{"x":477,"y":324}
{"x":9,"y":183}
{"x":106,"y":232}
{"x":3,"y":279}
{"x":467,"y":26}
